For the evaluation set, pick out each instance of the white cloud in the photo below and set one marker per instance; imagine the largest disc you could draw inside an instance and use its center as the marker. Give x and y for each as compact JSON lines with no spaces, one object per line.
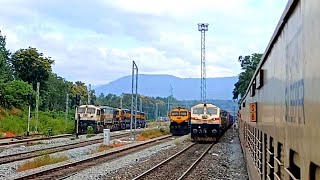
{"x":97,"y":41}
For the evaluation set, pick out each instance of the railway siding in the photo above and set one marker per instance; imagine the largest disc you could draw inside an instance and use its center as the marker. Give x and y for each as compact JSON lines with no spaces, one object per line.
{"x":60,"y":169}
{"x":133,"y":164}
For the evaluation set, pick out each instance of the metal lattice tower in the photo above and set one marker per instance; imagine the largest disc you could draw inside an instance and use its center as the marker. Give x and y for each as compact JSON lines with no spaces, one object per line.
{"x":134,"y":99}
{"x":203,"y":27}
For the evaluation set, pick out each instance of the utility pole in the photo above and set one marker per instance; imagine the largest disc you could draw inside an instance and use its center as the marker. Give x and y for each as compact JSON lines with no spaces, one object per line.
{"x":37,"y":106}
{"x":156,"y":113}
{"x":78,"y":103}
{"x":169,"y":100}
{"x":67,"y":103}
{"x":203,"y":27}
{"x":134,"y":99}
{"x":29,"y":113}
{"x":140,"y":104}
{"x":89,"y":91}
{"x":121,"y":101}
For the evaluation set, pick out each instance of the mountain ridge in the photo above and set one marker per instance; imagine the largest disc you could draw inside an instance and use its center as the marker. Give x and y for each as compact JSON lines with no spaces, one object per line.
{"x":158,"y":85}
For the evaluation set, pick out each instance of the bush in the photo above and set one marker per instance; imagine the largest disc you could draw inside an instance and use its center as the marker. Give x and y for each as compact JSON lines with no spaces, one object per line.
{"x":48,"y":132}
{"x":90,"y":132}
{"x":41,"y":161}
{"x":47,"y":125}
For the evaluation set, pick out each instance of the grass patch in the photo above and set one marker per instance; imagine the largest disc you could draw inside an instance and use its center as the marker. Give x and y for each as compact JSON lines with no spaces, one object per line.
{"x":153,"y":124}
{"x":50,"y":123}
{"x":152,"y":133}
{"x":103,"y":147}
{"x":41,"y":161}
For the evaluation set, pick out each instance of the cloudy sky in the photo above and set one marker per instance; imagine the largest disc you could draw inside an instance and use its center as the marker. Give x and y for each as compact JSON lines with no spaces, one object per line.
{"x":95,"y":41}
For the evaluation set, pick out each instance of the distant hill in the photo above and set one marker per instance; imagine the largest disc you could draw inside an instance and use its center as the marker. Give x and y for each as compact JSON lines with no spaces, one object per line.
{"x":183,"y":88}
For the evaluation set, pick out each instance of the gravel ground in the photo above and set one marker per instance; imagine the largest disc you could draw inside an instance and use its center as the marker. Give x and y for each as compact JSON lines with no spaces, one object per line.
{"x":224,"y":161}
{"x":178,"y":165}
{"x":131,"y":165}
{"x":13,"y":149}
{"x":10,"y":169}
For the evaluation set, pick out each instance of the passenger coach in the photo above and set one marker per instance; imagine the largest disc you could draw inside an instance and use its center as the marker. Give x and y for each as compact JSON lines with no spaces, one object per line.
{"x":279,"y":113}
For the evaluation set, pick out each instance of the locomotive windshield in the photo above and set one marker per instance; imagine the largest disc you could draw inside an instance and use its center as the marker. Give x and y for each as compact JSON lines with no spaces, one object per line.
{"x":81,"y":110}
{"x":91,"y":110}
{"x":174,"y":113}
{"x":108,"y":111}
{"x":198,"y":111}
{"x":211,"y":111}
{"x":183,"y":113}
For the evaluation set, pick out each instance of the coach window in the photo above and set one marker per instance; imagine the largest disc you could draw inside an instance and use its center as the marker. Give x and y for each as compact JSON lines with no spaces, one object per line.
{"x":314,"y":171}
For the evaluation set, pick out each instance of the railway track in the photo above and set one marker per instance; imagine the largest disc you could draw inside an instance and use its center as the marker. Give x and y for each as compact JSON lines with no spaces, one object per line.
{"x":68,"y":169}
{"x":35,"y":153}
{"x":33,"y":139}
{"x":178,"y":165}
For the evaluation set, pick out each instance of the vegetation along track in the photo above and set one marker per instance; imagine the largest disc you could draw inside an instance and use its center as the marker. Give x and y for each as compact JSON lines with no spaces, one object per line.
{"x":34,"y":139}
{"x":71,"y":168}
{"x":39,"y":152}
{"x":178,"y":165}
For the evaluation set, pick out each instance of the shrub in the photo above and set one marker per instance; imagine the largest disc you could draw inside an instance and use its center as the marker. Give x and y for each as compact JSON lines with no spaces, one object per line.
{"x":47,"y":125}
{"x":90,"y":132}
{"x":41,"y":161}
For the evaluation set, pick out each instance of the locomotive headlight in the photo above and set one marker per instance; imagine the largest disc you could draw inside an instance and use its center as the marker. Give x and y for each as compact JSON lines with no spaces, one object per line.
{"x":214,"y":131}
{"x":195,"y":131}
{"x":205,"y":131}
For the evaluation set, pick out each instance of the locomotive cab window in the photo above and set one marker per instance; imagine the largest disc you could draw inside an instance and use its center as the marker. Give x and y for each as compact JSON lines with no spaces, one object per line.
{"x":198,"y":111}
{"x":183,"y":113}
{"x":174,"y":113}
{"x":223,"y":114}
{"x":98,"y":112}
{"x":211,"y":111}
{"x":91,"y":110}
{"x":81,"y":110}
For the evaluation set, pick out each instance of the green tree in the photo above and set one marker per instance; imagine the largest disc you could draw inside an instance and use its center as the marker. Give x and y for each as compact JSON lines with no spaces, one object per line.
{"x":79,"y":88}
{"x":31,"y":66}
{"x":54,"y":98}
{"x":5,"y":71}
{"x":14,"y":94}
{"x":249,"y":65}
